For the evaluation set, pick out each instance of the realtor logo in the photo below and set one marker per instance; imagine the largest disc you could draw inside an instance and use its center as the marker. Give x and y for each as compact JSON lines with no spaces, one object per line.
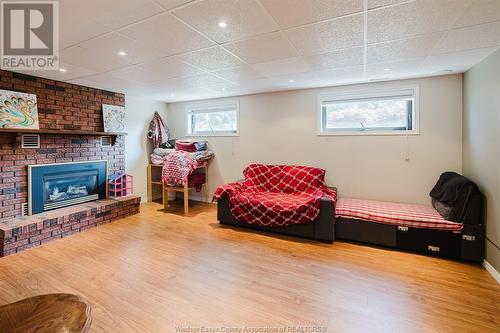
{"x":30,"y":35}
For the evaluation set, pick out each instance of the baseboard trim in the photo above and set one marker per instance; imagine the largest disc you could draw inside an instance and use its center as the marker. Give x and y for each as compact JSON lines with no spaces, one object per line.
{"x":490,"y":269}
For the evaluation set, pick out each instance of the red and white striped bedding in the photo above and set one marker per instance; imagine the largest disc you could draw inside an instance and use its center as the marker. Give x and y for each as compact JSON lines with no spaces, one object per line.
{"x":416,"y":216}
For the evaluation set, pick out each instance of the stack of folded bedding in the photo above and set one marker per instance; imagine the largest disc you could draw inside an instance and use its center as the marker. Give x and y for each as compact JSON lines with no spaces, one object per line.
{"x":198,"y":149}
{"x":190,"y":146}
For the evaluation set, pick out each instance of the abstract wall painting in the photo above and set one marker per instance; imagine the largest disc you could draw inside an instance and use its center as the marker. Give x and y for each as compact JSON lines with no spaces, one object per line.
{"x":114,"y":118}
{"x":18,"y":110}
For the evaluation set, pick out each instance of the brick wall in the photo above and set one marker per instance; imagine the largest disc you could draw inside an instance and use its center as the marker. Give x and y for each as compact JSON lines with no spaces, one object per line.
{"x":62,"y":106}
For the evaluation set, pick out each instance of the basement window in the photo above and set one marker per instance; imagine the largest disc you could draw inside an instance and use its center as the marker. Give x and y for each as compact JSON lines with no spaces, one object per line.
{"x":385,"y":112}
{"x":214,"y":119}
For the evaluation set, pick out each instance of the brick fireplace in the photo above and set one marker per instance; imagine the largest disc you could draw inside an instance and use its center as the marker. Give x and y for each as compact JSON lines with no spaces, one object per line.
{"x":62,"y":107}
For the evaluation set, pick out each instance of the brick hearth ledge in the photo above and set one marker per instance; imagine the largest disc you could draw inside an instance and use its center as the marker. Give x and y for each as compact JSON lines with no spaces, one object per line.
{"x":21,"y":233}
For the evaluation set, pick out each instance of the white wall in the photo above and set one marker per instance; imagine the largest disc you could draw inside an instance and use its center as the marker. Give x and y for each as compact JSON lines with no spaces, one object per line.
{"x":481,"y":142}
{"x":137,"y":148}
{"x":281,"y":127}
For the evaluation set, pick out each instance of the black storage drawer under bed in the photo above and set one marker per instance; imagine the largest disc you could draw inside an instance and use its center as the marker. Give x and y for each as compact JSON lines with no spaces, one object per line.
{"x":433,"y":242}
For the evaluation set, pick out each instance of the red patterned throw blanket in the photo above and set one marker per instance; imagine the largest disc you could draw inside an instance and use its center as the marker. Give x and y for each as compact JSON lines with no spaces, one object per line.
{"x":277,"y":195}
{"x":177,"y":167}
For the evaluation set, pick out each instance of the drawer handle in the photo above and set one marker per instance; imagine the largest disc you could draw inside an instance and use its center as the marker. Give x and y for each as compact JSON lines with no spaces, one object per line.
{"x":468,"y":237}
{"x":433,"y":248}
{"x":402,"y":228}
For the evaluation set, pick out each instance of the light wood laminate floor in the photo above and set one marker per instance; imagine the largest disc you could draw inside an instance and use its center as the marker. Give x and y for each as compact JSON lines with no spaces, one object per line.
{"x":161,"y":272}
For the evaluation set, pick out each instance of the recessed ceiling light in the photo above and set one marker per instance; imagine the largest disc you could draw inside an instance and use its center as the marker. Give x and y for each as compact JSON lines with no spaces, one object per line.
{"x":223,"y":89}
{"x":122,"y":53}
{"x":63,"y":70}
{"x":387,"y":69}
{"x":222,"y":24}
{"x":172,"y":95}
{"x":291,"y":80}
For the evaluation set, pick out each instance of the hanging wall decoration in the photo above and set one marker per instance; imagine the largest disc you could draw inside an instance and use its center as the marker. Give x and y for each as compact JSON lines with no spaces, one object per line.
{"x":114,"y":118}
{"x":18,"y":110}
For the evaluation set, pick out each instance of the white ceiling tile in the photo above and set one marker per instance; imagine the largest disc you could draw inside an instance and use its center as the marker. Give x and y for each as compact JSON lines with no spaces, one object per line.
{"x":88,"y":83}
{"x":211,"y":59}
{"x":326,"y":36}
{"x":239,"y":74}
{"x":72,"y":72}
{"x":167,"y":34}
{"x":475,"y":37}
{"x":157,"y":70}
{"x":244,"y":19}
{"x":456,"y":62}
{"x":150,"y":91}
{"x":107,"y":80}
{"x":169,"y":4}
{"x":413,"y":18}
{"x":118,"y":13}
{"x":262,"y":84}
{"x":335,"y":59}
{"x":176,"y":88}
{"x":382,"y":3}
{"x":222,"y":88}
{"x":292,"y":13}
{"x":263,"y":48}
{"x":81,"y":20}
{"x":295,"y":81}
{"x":196,"y":81}
{"x":101,"y":54}
{"x":397,"y":69}
{"x":74,"y":30}
{"x":403,"y":49}
{"x":481,"y":11}
{"x":282,"y":67}
{"x":341,"y":76}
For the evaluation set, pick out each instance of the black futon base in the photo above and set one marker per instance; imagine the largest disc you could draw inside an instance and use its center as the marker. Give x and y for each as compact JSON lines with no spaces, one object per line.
{"x":321,"y":229}
{"x":466,"y":245}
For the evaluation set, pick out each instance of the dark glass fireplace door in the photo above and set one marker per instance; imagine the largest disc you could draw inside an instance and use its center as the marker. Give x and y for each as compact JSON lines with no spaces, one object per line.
{"x":63,"y":189}
{"x":52,"y":186}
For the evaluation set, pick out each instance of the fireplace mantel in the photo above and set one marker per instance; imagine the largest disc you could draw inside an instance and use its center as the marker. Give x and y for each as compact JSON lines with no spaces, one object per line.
{"x":59,"y":131}
{"x":20,"y":131}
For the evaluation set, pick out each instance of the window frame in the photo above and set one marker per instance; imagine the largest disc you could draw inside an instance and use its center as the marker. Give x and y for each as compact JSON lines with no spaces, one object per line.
{"x":386,"y":92}
{"x":215,"y":107}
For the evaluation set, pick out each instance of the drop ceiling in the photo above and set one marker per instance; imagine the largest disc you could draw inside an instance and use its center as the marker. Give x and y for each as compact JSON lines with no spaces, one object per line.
{"x":183,"y":50}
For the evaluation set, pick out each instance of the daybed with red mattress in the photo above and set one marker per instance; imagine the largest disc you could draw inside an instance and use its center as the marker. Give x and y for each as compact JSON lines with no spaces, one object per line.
{"x":291,"y":200}
{"x":456,"y":231}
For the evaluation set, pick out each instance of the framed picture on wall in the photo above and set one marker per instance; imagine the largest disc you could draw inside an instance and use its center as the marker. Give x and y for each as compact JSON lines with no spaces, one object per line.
{"x":18,"y":110}
{"x":114,"y":118}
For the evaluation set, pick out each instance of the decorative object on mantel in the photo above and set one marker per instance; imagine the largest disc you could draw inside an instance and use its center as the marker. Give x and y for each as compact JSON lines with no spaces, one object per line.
{"x":18,"y":110}
{"x":113,"y":118}
{"x":45,"y":314}
{"x":120,"y":185}
{"x":158,"y":131}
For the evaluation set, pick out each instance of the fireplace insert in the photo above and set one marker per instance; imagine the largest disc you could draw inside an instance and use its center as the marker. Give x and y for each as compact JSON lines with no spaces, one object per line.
{"x":58,"y":185}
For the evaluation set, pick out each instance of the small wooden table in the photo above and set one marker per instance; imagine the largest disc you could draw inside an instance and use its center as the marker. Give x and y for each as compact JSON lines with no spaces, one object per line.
{"x":52,"y":313}
{"x":185,"y":189}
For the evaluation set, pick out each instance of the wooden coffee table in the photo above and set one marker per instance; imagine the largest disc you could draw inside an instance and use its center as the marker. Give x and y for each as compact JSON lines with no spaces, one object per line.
{"x":54,"y":313}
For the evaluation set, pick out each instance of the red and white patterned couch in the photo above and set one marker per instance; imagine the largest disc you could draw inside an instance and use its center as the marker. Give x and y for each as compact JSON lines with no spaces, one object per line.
{"x":280,"y":198}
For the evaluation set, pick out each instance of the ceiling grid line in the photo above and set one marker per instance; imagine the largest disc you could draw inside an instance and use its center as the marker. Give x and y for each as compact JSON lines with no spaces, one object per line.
{"x":282,"y":32}
{"x":365,"y":37}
